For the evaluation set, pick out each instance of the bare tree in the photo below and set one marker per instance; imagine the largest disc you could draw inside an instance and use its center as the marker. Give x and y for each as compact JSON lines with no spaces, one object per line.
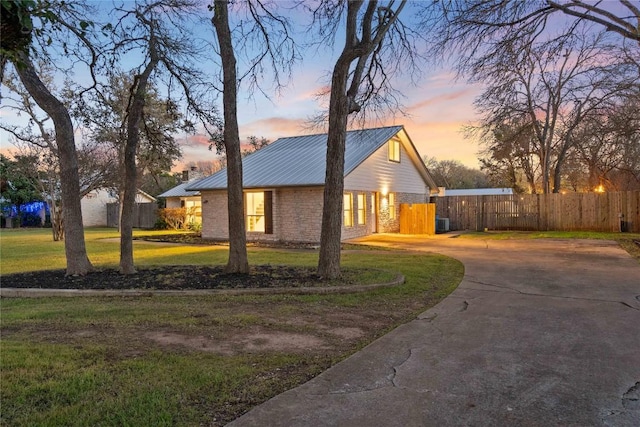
{"x":63,"y":17}
{"x":550,"y":88}
{"x":608,"y":146}
{"x":361,"y":63}
{"x":208,"y":167}
{"x":162,"y":33}
{"x":95,"y":166}
{"x":238,"y":261}
{"x":472,"y":25}
{"x":507,"y":156}
{"x":453,"y":174}
{"x":270,"y":32}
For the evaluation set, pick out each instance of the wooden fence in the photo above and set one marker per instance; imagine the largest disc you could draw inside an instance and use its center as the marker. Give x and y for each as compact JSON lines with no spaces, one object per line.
{"x":417,"y":218}
{"x":145,"y":215}
{"x":610,"y":212}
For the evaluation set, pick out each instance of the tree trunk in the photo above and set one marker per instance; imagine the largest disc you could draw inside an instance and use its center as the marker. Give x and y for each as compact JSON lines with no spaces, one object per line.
{"x":135,"y":110}
{"x":75,"y":250}
{"x":341,"y":104}
{"x":128,"y":199}
{"x":57,"y":227}
{"x":238,"y":261}
{"x":330,"y":235}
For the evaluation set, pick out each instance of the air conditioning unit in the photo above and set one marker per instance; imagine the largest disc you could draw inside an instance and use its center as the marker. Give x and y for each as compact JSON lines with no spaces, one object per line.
{"x":442,"y":225}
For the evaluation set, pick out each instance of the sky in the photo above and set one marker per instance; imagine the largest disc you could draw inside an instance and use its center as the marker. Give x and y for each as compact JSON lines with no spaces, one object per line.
{"x":437,"y":108}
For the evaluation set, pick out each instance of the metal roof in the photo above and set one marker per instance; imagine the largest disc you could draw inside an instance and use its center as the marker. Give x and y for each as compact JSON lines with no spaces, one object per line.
{"x":299,"y":160}
{"x":179,"y":191}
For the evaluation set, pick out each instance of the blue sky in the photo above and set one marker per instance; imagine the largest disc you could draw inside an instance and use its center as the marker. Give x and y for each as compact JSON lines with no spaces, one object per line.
{"x":437,"y":108}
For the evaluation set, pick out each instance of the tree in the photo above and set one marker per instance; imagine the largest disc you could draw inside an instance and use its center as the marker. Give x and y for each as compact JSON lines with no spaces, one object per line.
{"x":541,"y":35}
{"x":361,"y":58}
{"x":162,"y":34}
{"x":208,"y":167}
{"x":238,"y":261}
{"x":95,"y":165}
{"x":550,"y":88}
{"x":19,"y":14}
{"x":254,"y":144}
{"x":104,"y":116}
{"x":608,"y":146}
{"x":507,"y":157}
{"x":270,"y":32}
{"x":453,"y":174}
{"x":473,"y":25}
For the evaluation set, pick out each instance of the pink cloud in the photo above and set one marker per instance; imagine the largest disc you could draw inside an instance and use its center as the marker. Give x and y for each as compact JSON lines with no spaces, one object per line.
{"x":444,"y":98}
{"x":197,"y":140}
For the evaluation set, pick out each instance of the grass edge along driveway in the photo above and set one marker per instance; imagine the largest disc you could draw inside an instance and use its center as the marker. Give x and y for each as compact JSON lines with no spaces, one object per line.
{"x":186,"y":360}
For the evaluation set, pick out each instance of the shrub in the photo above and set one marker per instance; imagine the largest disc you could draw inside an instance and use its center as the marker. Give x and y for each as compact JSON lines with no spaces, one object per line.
{"x":174,"y":218}
{"x":30,"y":219}
{"x":195,"y":226}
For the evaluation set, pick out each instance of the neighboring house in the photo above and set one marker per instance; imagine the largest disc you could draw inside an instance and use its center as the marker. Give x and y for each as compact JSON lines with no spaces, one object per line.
{"x":94,"y":206}
{"x":445,"y":192}
{"x":179,"y":197}
{"x":284,"y":184}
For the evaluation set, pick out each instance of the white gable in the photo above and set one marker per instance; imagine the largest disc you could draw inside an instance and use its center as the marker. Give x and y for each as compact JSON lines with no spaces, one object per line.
{"x":378,"y":173}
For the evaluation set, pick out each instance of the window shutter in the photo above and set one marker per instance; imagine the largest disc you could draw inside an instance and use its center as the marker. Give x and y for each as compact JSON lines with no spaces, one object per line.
{"x":268,"y":212}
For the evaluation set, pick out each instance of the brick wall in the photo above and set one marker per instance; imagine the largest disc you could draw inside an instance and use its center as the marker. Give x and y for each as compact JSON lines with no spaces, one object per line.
{"x":297,"y":215}
{"x":214,"y":209}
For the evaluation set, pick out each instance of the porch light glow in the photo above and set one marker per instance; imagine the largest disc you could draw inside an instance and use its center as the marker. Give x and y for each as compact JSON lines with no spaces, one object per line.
{"x":599,"y":189}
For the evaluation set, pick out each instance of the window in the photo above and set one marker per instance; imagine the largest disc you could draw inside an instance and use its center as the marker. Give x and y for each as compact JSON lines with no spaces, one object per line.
{"x":348,"y":210}
{"x":392,"y":205}
{"x":394,"y":150}
{"x":361,"y":209}
{"x":255,"y":212}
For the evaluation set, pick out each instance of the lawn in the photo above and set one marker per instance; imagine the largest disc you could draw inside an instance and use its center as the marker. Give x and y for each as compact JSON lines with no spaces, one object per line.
{"x":159,"y":360}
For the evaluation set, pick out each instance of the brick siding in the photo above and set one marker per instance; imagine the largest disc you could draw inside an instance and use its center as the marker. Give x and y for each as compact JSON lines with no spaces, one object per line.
{"x":297,"y":215}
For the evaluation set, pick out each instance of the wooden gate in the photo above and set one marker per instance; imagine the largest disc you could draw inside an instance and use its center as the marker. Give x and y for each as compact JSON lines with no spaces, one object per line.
{"x":418,"y":218}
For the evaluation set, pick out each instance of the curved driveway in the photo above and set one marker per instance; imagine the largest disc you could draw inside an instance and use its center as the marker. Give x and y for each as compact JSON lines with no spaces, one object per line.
{"x":539,"y":333}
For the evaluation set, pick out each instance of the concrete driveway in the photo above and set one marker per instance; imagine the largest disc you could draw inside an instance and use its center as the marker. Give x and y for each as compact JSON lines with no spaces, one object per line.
{"x":539,"y":333}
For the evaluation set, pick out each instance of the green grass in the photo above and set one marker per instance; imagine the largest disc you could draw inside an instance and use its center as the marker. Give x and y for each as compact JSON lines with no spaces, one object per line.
{"x":91,"y":361}
{"x":56,"y":384}
{"x":33,"y":249}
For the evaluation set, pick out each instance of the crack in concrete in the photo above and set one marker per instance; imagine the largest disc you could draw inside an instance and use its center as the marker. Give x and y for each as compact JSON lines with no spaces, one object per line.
{"x":631,"y":399}
{"x":629,"y":306}
{"x":395,"y":368}
{"x":389,"y":381}
{"x":549,"y":296}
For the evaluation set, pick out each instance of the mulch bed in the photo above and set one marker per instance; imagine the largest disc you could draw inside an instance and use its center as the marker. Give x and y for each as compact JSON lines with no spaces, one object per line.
{"x":168,"y":278}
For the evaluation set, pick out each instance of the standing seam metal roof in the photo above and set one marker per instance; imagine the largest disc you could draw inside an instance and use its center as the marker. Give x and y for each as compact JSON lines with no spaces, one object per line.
{"x":299,"y":160}
{"x":180,"y":191}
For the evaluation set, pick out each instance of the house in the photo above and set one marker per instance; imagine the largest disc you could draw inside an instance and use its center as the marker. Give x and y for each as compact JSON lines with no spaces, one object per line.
{"x":179,"y":197}
{"x":284,"y":184}
{"x":94,"y":206}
